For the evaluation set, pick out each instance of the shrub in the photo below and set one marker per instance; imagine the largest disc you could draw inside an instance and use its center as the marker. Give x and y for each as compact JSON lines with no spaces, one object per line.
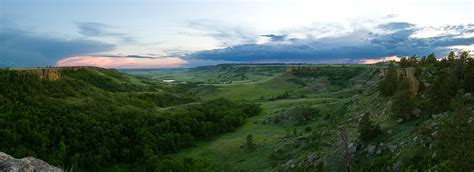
{"x":367,"y":129}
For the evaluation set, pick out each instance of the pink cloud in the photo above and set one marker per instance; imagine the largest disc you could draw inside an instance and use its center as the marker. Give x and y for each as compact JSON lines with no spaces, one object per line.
{"x":372,"y":61}
{"x":121,"y":62}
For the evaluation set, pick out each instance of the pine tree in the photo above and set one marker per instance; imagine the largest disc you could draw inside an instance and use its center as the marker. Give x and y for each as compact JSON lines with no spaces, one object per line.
{"x":469,"y":76}
{"x":451,"y":57}
{"x":413,"y":61}
{"x":61,"y":154}
{"x":453,"y":142}
{"x":367,"y":129}
{"x":387,"y":86}
{"x":401,"y":103}
{"x":431,"y":60}
{"x":442,"y":90}
{"x":404,"y":62}
{"x":249,"y":143}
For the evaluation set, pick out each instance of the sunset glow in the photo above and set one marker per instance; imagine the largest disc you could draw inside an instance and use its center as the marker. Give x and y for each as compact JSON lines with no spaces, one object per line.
{"x":372,"y":61}
{"x":122,"y":62}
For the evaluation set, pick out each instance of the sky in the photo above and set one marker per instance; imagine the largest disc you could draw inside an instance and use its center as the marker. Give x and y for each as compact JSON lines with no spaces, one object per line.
{"x":178,"y":33}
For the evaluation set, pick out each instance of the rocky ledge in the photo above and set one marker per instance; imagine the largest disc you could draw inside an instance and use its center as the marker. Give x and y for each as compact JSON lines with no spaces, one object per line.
{"x":28,"y":164}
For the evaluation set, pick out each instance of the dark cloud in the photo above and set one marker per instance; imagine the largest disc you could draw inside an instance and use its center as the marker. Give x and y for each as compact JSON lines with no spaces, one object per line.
{"x":94,"y":29}
{"x":394,"y":39}
{"x":274,"y":37}
{"x":128,"y":56}
{"x":24,"y":49}
{"x":396,"y":26}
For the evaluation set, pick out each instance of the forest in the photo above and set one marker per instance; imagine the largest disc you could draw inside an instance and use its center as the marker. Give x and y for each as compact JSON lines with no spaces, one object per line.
{"x":86,"y":120}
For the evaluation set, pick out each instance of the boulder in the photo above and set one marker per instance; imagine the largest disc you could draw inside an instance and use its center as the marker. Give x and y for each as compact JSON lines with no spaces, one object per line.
{"x":371,"y":149}
{"x":392,"y":148}
{"x":312,"y":158}
{"x":396,"y":166}
{"x":10,"y":164}
{"x":290,"y":164}
{"x":352,"y":148}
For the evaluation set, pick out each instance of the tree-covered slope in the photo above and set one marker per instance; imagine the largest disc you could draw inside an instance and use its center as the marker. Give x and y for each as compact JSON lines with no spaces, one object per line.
{"x":91,"y":118}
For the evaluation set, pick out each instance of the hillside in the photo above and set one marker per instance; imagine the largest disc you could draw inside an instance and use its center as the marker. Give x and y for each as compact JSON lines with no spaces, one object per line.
{"x":323,"y":117}
{"x":92,"y":118}
{"x":397,"y":116}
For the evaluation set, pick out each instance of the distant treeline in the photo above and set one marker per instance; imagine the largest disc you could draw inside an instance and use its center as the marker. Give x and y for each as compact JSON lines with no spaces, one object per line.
{"x":337,"y":76}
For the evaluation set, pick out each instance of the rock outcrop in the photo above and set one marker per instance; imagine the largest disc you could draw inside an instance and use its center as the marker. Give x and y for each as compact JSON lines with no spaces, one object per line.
{"x":28,"y":164}
{"x":414,"y":83}
{"x":46,"y":74}
{"x":52,"y":73}
{"x":409,"y":73}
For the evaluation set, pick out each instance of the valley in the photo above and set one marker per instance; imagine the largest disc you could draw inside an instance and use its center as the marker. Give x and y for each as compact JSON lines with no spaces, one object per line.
{"x":239,"y":117}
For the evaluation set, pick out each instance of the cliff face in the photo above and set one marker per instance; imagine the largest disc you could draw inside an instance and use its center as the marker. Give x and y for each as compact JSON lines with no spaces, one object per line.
{"x":414,"y":83}
{"x":46,"y":74}
{"x":409,"y":73}
{"x":10,"y":164}
{"x":52,"y":73}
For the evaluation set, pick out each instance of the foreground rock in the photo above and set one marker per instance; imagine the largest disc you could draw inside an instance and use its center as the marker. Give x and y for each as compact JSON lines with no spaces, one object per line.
{"x":10,"y":164}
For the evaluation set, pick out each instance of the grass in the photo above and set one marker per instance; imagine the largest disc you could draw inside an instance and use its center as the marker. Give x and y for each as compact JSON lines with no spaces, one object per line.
{"x":226,"y":152}
{"x":253,"y":91}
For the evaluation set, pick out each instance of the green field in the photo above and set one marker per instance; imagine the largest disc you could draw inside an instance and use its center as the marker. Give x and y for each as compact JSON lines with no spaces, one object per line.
{"x":227,"y":152}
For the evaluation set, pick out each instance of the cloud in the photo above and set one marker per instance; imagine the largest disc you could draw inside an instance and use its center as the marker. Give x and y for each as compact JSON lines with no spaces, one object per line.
{"x":274,"y":37}
{"x":396,"y":26}
{"x":100,"y":30}
{"x":128,"y":56}
{"x":336,"y":43}
{"x":226,"y":34}
{"x":121,"y":62}
{"x":25,"y":49}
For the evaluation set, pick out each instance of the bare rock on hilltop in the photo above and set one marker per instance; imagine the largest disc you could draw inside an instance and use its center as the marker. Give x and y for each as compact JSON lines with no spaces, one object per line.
{"x":28,"y":164}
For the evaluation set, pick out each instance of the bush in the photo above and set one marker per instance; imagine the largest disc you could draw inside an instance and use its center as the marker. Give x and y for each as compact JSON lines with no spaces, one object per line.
{"x":367,"y":129}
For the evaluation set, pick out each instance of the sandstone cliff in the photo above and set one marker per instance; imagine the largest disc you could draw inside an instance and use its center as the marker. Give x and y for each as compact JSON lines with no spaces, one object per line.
{"x":409,"y":73}
{"x":52,"y":73}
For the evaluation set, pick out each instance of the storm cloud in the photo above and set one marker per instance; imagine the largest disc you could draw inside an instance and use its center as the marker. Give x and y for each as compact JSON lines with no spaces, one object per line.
{"x":383,"y":40}
{"x":26,"y":49}
{"x":100,"y":30}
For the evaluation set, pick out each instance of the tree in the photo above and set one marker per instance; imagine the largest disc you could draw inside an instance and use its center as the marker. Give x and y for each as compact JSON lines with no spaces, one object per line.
{"x":431,"y":60}
{"x":442,"y":90}
{"x":413,"y":61}
{"x":304,"y":113}
{"x":454,"y":141}
{"x":387,"y":86}
{"x":344,"y":136}
{"x":404,"y":62}
{"x":451,"y":57}
{"x":459,"y":64}
{"x":402,"y":105}
{"x":469,"y":76}
{"x":367,"y":129}
{"x":249,"y":143}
